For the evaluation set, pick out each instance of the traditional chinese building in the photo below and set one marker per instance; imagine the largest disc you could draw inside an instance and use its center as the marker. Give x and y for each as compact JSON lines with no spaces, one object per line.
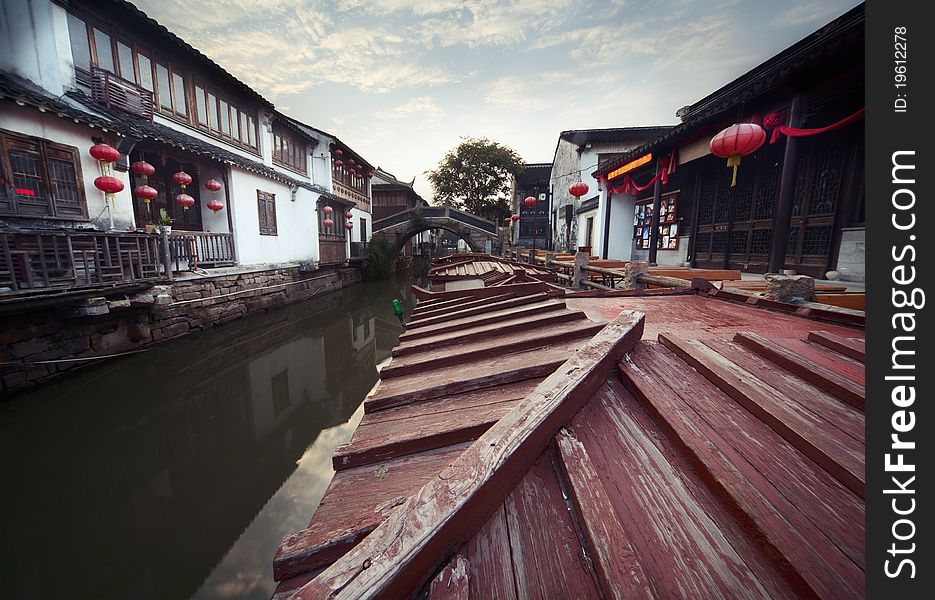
{"x":240,"y":182}
{"x":533,"y":226}
{"x":392,"y":196}
{"x":797,"y":199}
{"x":584,"y":221}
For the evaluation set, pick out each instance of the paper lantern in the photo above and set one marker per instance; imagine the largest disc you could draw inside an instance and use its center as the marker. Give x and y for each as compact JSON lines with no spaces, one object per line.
{"x":213,"y":185}
{"x":105,"y":153}
{"x":145,"y":193}
{"x":740,"y":139}
{"x":214,"y":205}
{"x":182,"y":178}
{"x":185,"y":201}
{"x":578,"y":189}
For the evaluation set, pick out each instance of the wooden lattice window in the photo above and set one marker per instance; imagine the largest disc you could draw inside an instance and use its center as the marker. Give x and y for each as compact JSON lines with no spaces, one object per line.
{"x":266,"y":207}
{"x":40,"y":178}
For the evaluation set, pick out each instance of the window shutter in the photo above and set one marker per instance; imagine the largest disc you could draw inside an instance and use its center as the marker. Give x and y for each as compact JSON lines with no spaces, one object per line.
{"x":266,"y":208}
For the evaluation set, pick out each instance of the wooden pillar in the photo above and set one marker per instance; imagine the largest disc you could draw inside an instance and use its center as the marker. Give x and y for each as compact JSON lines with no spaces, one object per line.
{"x":696,"y":210}
{"x":166,"y":254}
{"x":777,"y":255}
{"x":606,"y":241}
{"x":654,"y":225}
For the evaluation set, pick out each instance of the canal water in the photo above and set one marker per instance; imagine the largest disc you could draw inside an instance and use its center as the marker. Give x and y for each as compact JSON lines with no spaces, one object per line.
{"x":174,"y":473}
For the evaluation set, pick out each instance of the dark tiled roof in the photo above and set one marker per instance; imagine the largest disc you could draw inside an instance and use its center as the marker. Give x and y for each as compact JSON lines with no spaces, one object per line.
{"x":589,"y":204}
{"x":135,"y":13}
{"x":613,"y":134}
{"x":534,"y":174}
{"x":846,"y":31}
{"x":309,"y":133}
{"x":81,"y":109}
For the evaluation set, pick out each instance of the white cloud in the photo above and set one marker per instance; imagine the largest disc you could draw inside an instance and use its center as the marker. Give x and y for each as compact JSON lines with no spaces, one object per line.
{"x":423,"y":106}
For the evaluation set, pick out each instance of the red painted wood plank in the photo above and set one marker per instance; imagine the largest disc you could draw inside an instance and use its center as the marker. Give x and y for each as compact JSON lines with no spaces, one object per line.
{"x":548,"y":560}
{"x":452,"y":582}
{"x":477,"y":374}
{"x":839,"y":455}
{"x":448,"y":510}
{"x":846,"y":367}
{"x":490,"y":563}
{"x":445,"y":310}
{"x":520,"y":289}
{"x":826,"y":379}
{"x":609,"y":545}
{"x":424,"y":362}
{"x":844,"y":417}
{"x":472,"y":334}
{"x":689,"y":546}
{"x":851,"y":347}
{"x":385,"y":441}
{"x":356,"y":502}
{"x":539,"y":308}
{"x":474,"y":310}
{"x":809,"y":524}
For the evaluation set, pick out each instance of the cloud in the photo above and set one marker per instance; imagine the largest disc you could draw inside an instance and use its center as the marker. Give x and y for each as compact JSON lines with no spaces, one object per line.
{"x":803,"y":14}
{"x":423,"y":106}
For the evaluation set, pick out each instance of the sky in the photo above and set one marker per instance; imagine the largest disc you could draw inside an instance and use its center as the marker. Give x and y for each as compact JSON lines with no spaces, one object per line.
{"x":402,"y":81}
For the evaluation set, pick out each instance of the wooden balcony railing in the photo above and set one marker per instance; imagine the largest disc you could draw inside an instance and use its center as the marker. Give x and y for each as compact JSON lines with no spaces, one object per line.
{"x":200,"y":249}
{"x":34,"y":260}
{"x":112,"y":91}
{"x":362,"y":201}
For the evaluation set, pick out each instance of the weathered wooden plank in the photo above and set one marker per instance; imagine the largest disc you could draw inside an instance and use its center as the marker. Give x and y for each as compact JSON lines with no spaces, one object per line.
{"x":476,"y":309}
{"x":804,"y":519}
{"x":548,"y":559}
{"x":384,"y":441}
{"x":445,"y":310}
{"x":839,"y":455}
{"x":490,"y":563}
{"x":356,"y":502}
{"x":688,"y":544}
{"x":424,"y":362}
{"x":849,"y":300}
{"x":539,"y":308}
{"x":448,"y":510}
{"x":610,"y":546}
{"x":477,"y":374}
{"x":520,"y":289}
{"x":850,"y":347}
{"x":473,"y":334}
{"x":452,"y":582}
{"x":824,"y":378}
{"x":844,"y":417}
{"x":826,"y":357}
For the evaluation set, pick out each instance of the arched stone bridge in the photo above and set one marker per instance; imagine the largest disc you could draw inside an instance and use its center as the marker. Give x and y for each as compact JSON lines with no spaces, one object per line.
{"x":399,"y":228}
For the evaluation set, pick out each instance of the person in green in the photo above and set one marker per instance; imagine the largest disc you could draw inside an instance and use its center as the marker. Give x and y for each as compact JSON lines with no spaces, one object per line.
{"x":398,"y":311}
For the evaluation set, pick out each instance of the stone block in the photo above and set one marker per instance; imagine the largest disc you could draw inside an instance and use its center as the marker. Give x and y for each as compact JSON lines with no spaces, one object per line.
{"x":118,"y":304}
{"x":631,"y":275}
{"x":139,"y":332}
{"x":162,"y":299}
{"x":142,"y":299}
{"x":29,"y":347}
{"x":790,"y":288}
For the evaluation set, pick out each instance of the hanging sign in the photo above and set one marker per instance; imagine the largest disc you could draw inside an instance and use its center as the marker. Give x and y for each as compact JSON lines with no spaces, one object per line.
{"x":639,"y":162}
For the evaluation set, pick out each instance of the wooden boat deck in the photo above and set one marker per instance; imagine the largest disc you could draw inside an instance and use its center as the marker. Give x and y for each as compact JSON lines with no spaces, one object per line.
{"x":691,"y":447}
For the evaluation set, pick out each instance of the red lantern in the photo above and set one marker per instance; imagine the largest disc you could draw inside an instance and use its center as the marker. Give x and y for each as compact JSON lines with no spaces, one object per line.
{"x":578,"y":189}
{"x":327,"y":210}
{"x":184,"y":200}
{"x":213,"y":185}
{"x":109,"y":185}
{"x":105,"y":153}
{"x":514,"y":218}
{"x":214,"y":205}
{"x":350,"y":161}
{"x":182,"y":178}
{"x":530,"y":201}
{"x":740,"y":139}
{"x":369,"y":174}
{"x":327,"y":223}
{"x":339,"y":163}
{"x":349,"y":226}
{"x":143,"y":169}
{"x":348,"y":215}
{"x":145,"y":193}
{"x":338,"y":152}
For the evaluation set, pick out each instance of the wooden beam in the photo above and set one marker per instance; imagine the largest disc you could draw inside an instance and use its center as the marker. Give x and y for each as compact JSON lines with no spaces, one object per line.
{"x":395,"y":560}
{"x":848,"y":347}
{"x":822,"y":377}
{"x":841,"y":456}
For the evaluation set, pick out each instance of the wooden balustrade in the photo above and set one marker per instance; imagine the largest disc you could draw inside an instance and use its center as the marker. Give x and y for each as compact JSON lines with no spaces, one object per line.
{"x":201,"y":249}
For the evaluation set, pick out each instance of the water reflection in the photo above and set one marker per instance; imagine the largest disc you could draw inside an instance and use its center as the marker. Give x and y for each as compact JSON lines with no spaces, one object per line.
{"x":176,"y":472}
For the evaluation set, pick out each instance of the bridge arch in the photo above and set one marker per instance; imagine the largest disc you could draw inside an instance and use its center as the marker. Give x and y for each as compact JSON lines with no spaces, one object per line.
{"x":399,"y":228}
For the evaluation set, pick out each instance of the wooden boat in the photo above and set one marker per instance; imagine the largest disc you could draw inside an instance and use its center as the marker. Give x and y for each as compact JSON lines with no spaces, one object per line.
{"x":525,"y":444}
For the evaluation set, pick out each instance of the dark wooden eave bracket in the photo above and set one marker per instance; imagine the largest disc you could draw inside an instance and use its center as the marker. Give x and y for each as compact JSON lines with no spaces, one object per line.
{"x":413,"y":541}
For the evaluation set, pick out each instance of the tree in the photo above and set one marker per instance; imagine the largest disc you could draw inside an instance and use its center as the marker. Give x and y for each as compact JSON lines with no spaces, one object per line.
{"x":475,"y":176}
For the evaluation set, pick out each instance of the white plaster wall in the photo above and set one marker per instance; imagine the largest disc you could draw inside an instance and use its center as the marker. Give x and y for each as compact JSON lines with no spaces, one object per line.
{"x":583,"y":231}
{"x":620,"y":241}
{"x":33,"y":35}
{"x":29,"y":121}
{"x":564,"y":172}
{"x":296,"y":221}
{"x":211,"y":221}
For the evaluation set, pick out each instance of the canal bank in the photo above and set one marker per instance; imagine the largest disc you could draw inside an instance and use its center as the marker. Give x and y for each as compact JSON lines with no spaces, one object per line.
{"x":174,"y":473}
{"x":40,"y":343}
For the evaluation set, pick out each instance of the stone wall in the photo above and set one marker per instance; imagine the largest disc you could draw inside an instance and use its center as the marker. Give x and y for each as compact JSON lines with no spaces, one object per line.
{"x":851,"y":255}
{"x":44,"y":344}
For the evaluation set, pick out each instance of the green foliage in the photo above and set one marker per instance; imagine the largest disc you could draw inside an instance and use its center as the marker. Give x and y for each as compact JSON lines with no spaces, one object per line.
{"x":164,"y":218}
{"x":475,"y":176}
{"x":380,"y":263}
